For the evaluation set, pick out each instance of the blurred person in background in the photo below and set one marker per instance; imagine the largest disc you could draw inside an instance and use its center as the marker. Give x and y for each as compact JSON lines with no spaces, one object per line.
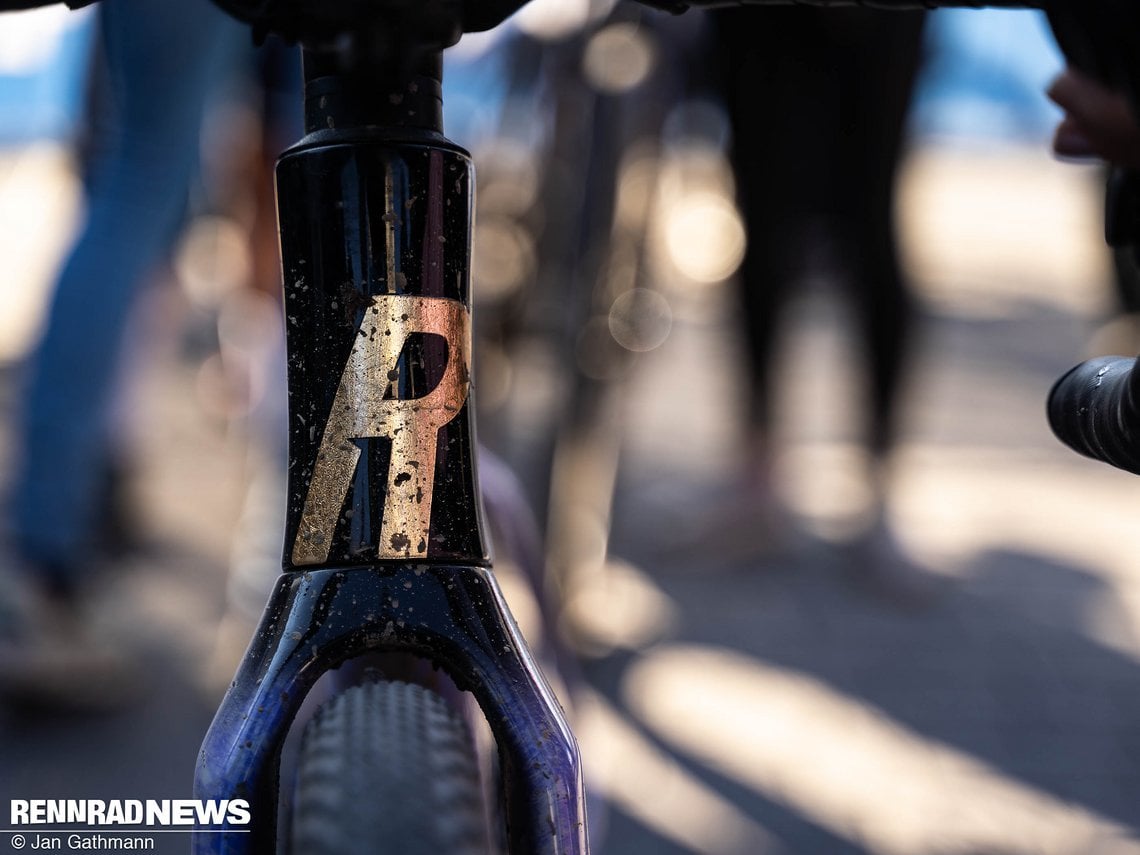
{"x":162,"y":62}
{"x":818,"y":100}
{"x":1098,"y":122}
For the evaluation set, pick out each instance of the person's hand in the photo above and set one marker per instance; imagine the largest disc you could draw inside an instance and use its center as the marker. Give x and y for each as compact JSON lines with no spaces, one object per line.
{"x":1098,"y":122}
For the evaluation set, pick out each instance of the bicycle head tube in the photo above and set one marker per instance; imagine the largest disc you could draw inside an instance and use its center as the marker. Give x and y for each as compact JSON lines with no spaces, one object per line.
{"x":375,"y":220}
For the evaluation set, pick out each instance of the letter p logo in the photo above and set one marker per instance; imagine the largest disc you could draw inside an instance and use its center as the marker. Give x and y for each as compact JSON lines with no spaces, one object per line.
{"x":365,"y":407}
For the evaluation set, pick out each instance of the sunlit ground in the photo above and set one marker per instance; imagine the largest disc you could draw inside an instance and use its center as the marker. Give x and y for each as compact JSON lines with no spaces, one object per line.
{"x":1039,"y":546}
{"x":38,"y":207}
{"x":782,"y":687}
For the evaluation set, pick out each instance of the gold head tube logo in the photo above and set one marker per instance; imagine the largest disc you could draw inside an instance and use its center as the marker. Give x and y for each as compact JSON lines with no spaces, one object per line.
{"x":366,"y":406}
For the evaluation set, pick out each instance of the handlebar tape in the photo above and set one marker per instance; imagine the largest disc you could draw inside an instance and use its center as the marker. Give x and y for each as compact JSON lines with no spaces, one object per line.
{"x":1093,"y":410}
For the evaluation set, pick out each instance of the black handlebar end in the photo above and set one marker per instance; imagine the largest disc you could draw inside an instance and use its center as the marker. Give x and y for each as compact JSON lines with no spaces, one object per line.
{"x":1093,"y":410}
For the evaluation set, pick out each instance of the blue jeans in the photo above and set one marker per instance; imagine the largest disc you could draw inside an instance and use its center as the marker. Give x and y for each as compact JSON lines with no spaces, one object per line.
{"x":164,"y":59}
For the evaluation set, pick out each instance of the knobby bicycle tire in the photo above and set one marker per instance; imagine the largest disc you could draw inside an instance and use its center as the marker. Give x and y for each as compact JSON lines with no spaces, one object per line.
{"x":388,"y":768}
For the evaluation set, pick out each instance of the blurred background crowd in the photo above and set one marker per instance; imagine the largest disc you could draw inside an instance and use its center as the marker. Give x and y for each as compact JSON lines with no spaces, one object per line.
{"x":767,"y":303}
